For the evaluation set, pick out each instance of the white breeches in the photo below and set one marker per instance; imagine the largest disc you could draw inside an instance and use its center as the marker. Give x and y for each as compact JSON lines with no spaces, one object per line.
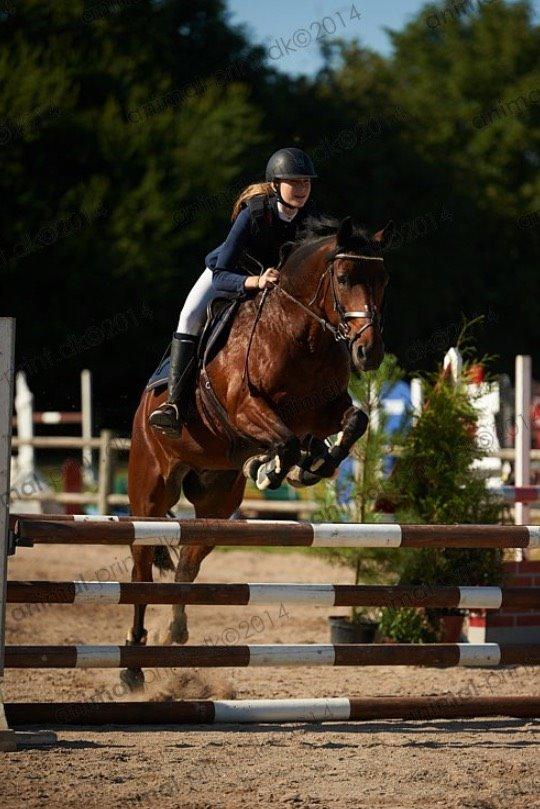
{"x":193,"y":314}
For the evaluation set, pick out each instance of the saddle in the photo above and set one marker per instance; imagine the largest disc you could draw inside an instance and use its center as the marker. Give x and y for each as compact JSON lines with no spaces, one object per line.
{"x":220,"y":315}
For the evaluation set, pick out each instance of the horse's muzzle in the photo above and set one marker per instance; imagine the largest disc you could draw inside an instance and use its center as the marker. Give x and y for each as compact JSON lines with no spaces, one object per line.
{"x":367,"y":357}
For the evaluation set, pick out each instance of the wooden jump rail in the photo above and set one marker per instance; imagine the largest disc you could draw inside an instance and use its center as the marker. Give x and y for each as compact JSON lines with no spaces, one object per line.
{"x":203,"y":712}
{"x":244,"y":533}
{"x":436,"y":655}
{"x":315,"y":595}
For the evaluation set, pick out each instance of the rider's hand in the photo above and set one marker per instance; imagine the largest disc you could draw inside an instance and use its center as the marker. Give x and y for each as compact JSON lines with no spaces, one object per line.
{"x":269,"y":278}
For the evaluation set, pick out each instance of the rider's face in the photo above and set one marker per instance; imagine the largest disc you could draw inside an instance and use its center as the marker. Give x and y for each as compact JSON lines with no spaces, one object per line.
{"x":296,"y":192}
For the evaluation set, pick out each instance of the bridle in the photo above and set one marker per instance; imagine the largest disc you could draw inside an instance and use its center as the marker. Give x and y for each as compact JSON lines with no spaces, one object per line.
{"x":341,"y":331}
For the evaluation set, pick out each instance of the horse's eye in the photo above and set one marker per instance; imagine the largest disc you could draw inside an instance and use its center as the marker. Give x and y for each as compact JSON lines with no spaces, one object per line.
{"x":343,"y":279}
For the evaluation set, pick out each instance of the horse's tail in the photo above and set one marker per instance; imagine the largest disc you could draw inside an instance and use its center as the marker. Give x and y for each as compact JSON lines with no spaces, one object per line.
{"x":163,"y":559}
{"x":162,"y":556}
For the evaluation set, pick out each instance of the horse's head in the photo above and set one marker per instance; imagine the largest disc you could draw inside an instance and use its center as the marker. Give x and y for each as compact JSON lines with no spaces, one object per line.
{"x":336,"y":273}
{"x":355,"y":292}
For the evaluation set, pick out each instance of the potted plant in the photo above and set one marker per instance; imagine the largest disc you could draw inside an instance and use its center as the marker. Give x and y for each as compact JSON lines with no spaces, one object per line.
{"x":360,"y":627}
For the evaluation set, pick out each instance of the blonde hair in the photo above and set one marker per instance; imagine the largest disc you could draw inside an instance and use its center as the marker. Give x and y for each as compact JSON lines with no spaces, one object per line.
{"x":248,"y":192}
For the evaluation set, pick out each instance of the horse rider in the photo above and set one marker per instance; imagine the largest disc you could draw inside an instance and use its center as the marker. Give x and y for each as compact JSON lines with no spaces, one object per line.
{"x":265,"y":216}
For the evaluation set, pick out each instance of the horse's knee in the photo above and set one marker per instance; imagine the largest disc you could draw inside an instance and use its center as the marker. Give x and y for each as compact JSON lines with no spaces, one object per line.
{"x":186,"y":571}
{"x":290,"y":450}
{"x":360,"y":421}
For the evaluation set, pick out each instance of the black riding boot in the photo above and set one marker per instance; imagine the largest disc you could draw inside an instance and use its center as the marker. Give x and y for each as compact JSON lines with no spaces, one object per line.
{"x":168,"y":417}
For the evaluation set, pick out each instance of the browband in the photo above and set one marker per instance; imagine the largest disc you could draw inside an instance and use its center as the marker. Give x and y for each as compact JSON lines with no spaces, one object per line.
{"x":353,"y":255}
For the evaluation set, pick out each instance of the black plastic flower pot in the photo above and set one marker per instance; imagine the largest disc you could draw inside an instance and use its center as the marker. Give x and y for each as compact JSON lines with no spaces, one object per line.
{"x":343,"y":630}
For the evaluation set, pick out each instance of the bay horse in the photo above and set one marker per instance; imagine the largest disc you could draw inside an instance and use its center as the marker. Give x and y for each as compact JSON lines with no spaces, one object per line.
{"x":278,"y":389}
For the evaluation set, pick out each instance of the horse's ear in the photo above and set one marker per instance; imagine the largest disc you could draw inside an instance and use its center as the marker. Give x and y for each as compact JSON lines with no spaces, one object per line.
{"x":345,"y":231}
{"x":384,"y":236}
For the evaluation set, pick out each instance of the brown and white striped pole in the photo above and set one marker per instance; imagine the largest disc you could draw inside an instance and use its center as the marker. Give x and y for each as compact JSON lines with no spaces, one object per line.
{"x":436,"y":655}
{"x":334,"y":709}
{"x":267,"y":594}
{"x":174,"y":533}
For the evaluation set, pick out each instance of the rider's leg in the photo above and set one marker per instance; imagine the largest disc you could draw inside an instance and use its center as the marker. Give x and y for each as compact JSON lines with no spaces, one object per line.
{"x":170,"y":416}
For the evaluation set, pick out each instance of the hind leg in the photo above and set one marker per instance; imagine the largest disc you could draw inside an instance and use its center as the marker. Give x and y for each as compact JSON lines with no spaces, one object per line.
{"x":164,"y":496}
{"x":213,"y":494}
{"x":150,"y":495}
{"x":137,"y":636}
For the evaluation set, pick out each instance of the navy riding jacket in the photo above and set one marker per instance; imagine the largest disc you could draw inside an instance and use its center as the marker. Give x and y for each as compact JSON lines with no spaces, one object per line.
{"x":259,"y":237}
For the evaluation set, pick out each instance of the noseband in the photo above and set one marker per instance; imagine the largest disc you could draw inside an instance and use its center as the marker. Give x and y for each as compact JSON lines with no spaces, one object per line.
{"x":370,"y":313}
{"x":341,"y":332}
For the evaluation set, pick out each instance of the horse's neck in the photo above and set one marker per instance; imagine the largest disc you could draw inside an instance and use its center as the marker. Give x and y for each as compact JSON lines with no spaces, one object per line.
{"x":303,"y":275}
{"x":306,"y":296}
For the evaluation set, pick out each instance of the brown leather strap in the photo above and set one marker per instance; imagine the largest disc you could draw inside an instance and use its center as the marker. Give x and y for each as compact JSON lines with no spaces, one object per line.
{"x":238,"y":441}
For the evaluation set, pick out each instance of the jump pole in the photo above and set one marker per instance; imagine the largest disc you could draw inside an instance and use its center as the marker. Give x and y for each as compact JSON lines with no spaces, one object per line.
{"x":434,"y":655}
{"x":253,"y":711}
{"x":86,"y":425}
{"x":269,"y":594}
{"x":245,"y":533}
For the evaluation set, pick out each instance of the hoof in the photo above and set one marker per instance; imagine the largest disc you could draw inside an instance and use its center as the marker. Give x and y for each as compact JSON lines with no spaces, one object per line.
{"x":176,"y":634}
{"x":294,"y":478}
{"x":300,"y":478}
{"x":269,"y":475}
{"x":313,"y":467}
{"x":133,"y":678}
{"x":251,"y":467}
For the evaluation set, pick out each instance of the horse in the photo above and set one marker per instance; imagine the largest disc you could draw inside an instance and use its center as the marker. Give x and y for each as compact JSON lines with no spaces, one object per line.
{"x":267,"y":400}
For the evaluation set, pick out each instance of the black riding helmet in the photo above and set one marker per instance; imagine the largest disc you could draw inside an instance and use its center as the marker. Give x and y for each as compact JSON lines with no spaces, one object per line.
{"x":288,"y":164}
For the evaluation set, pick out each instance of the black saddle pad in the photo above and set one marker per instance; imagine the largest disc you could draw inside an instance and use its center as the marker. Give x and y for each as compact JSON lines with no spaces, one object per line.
{"x":221,"y":312}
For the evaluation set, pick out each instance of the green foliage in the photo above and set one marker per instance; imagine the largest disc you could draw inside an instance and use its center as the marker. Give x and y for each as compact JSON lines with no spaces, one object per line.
{"x":111,"y":108}
{"x":406,"y":625}
{"x":368,"y":389}
{"x":153,"y":114}
{"x":433,"y":480}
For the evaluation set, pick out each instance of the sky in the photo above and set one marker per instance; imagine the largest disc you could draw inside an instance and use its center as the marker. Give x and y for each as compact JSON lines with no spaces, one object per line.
{"x":289,"y":29}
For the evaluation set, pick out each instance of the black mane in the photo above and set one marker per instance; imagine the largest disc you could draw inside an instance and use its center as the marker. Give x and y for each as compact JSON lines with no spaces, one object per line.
{"x":321,"y":227}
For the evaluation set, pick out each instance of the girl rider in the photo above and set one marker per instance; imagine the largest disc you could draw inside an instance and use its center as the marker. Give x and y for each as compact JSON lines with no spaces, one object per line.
{"x":265,"y":216}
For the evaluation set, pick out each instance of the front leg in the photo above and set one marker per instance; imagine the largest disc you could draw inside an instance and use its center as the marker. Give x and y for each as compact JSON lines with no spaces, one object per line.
{"x":257,"y":419}
{"x":319,"y":461}
{"x":354,"y":425}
